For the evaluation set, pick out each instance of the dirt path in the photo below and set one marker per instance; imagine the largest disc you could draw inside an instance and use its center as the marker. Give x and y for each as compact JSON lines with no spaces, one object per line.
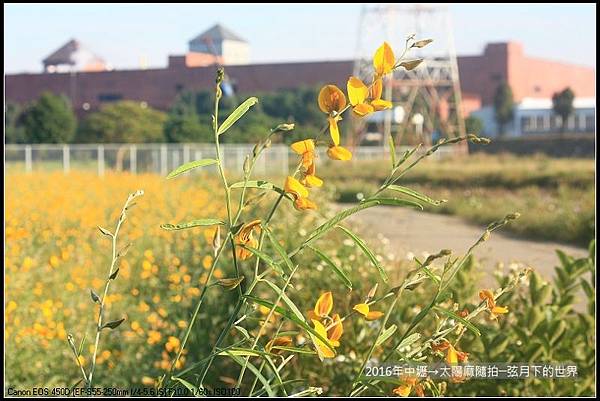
{"x":417,"y":232}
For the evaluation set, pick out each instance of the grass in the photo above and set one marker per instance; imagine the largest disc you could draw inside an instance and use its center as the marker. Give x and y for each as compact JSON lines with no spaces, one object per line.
{"x":556,"y":197}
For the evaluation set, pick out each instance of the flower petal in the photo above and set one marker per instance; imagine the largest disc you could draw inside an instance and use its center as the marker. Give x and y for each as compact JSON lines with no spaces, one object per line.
{"x":402,"y":390}
{"x":312,"y":181}
{"x":339,"y":153}
{"x":380,"y":104}
{"x":324,"y":304}
{"x":384,"y":59}
{"x":374,"y":315}
{"x":357,"y":91}
{"x":363,"y":309}
{"x":322,"y":348}
{"x":304,"y":204}
{"x":334,"y":130}
{"x":452,"y":356}
{"x":376,"y":89}
{"x":294,"y":187}
{"x":336,"y":331}
{"x":363,"y":109}
{"x":331,"y":99}
{"x":300,"y":147}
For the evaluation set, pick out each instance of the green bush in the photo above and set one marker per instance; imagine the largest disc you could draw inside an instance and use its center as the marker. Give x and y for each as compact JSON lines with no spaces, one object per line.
{"x":49,"y":119}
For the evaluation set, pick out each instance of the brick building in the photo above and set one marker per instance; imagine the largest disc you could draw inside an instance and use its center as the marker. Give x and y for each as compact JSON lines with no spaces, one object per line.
{"x":480,"y":75}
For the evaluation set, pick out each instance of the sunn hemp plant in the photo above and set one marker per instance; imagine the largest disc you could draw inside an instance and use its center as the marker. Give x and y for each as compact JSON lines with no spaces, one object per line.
{"x":252,"y":241}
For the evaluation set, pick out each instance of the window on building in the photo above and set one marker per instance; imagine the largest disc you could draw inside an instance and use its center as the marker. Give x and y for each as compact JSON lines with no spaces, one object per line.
{"x":110,"y":97}
{"x":539,"y":123}
{"x":178,"y":88}
{"x":526,"y":123}
{"x":590,"y":124}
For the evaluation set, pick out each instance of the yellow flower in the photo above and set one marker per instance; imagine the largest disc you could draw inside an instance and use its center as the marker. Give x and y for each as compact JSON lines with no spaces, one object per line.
{"x":408,"y":383}
{"x":339,"y":153}
{"x":384,"y":60}
{"x":364,"y":100}
{"x":294,"y":187}
{"x":364,"y":310}
{"x":284,"y":341}
{"x":495,"y":310}
{"x":306,"y":149}
{"x":322,"y":348}
{"x":244,"y":237}
{"x":324,"y":304}
{"x":310,"y":179}
{"x":304,"y":204}
{"x":332,"y":101}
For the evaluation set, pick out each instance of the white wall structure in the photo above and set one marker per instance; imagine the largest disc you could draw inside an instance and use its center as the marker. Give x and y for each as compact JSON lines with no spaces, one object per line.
{"x":535,"y":117}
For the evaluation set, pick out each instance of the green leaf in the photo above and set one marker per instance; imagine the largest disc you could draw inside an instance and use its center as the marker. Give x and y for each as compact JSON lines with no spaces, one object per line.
{"x":260,"y":184}
{"x":191,"y":224}
{"x":243,"y":331}
{"x":80,"y":349}
{"x":392,"y":149}
{"x":295,"y":349}
{"x":339,"y":272}
{"x":114,"y":324}
{"x":193,"y":389}
{"x":237,"y":114}
{"x":253,"y":369}
{"x":398,"y":202}
{"x":280,"y":249}
{"x":264,"y":257}
{"x":240,"y":352}
{"x":361,"y":244}
{"x":295,"y":310}
{"x":191,"y":165}
{"x":123,"y":251}
{"x":387,"y":333}
{"x":454,"y":316}
{"x":409,"y":340}
{"x":230,"y":283}
{"x":95,"y":297}
{"x":417,"y":195}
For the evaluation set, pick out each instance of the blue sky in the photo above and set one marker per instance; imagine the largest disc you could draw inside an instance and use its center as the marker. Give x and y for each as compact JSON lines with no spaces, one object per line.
{"x":124,"y":34}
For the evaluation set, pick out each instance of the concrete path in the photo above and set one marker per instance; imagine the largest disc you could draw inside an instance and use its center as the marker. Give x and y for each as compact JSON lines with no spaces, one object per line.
{"x":410,"y":231}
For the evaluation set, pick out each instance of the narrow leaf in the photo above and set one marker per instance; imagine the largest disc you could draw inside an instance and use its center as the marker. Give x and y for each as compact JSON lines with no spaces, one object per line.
{"x":254,"y":370}
{"x":417,"y":195}
{"x":409,"y":340}
{"x":264,"y":257}
{"x":339,"y":272}
{"x":392,"y":149}
{"x":361,"y":244}
{"x":190,"y":224}
{"x":230,"y":283}
{"x":123,"y":251}
{"x":387,"y":333}
{"x":465,"y":322}
{"x":193,"y":389}
{"x":280,"y":249}
{"x":190,"y":166}
{"x":237,"y":114}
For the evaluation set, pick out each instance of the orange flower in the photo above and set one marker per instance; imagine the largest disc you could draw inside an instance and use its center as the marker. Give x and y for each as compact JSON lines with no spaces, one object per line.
{"x":304,"y":204}
{"x":408,"y":383}
{"x":495,"y":310}
{"x":335,"y":332}
{"x":323,"y":350}
{"x":366,"y":100}
{"x":332,"y":101}
{"x":244,"y":237}
{"x":363,"y":309}
{"x":310,"y":179}
{"x":384,"y":60}
{"x":324,"y":304}
{"x":284,"y":341}
{"x":306,"y":149}
{"x":339,"y":153}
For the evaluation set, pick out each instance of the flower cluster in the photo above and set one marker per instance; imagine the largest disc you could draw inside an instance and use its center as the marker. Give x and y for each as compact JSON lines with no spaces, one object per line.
{"x":364,"y":100}
{"x":328,"y":327}
{"x":495,"y":310}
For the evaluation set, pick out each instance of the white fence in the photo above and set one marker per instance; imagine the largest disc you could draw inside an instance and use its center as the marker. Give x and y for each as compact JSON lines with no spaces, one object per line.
{"x":160,"y":158}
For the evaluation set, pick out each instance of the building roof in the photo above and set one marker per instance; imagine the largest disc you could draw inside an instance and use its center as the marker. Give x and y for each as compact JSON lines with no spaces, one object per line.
{"x":217,"y":33}
{"x":72,"y":53}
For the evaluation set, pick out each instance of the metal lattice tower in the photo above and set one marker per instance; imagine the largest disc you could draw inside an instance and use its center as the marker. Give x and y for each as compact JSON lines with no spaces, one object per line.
{"x":431,"y":90}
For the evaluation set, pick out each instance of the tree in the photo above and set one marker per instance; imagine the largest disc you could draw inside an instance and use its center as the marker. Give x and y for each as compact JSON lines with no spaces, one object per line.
{"x":123,"y":122}
{"x":13,"y":123}
{"x":50,"y":119}
{"x":503,"y":106}
{"x":184,"y":124}
{"x":562,"y":105}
